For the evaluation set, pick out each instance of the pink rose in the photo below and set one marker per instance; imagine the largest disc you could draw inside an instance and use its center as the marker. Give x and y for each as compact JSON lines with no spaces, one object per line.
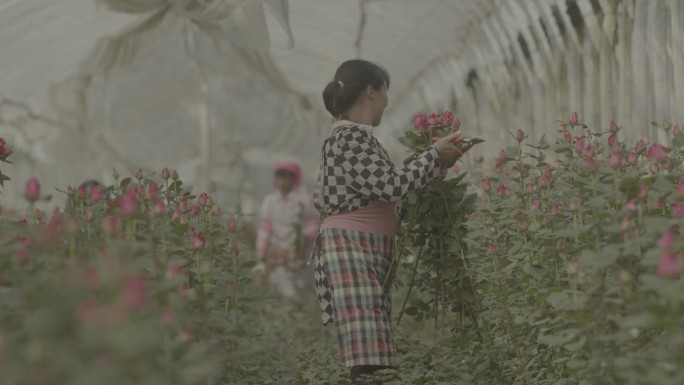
{"x":612,"y":140}
{"x":457,"y":123}
{"x":574,"y":119}
{"x":667,"y":265}
{"x":152,"y":190}
{"x":486,"y":185}
{"x":96,"y":193}
{"x":503,"y":191}
{"x":536,"y":207}
{"x":676,"y":130}
{"x":568,"y":136}
{"x":614,"y":127}
{"x":491,"y":248}
{"x":174,"y":175}
{"x":615,"y":160}
{"x":159,"y":208}
{"x":433,"y":119}
{"x":232,"y":225}
{"x":165,"y":173}
{"x":631,"y":205}
{"x":656,"y":151}
{"x":678,"y":210}
{"x":520,"y":135}
{"x":32,"y":191}
{"x":129,"y":203}
{"x":448,"y":118}
{"x":667,"y":239}
{"x":680,"y":189}
{"x":203,"y":199}
{"x":194,"y":210}
{"x":177,"y":214}
{"x":632,"y":158}
{"x":197,"y":240}
{"x":139,"y":174}
{"x":589,"y":164}
{"x":420,"y":122}
{"x":639,"y":144}
{"x":133,"y":293}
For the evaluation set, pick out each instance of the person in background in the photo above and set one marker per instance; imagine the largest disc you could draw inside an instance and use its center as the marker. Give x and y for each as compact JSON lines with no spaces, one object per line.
{"x":357,"y":193}
{"x":288,"y":224}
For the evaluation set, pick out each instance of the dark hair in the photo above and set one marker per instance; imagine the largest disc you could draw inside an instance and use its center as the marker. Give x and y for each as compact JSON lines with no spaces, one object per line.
{"x":351,"y":79}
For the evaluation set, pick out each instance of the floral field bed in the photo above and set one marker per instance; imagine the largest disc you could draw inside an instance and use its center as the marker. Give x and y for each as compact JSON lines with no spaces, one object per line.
{"x":560,"y":266}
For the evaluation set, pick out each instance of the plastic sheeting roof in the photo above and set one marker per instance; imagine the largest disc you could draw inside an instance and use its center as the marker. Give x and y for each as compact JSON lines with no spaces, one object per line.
{"x":226,"y":87}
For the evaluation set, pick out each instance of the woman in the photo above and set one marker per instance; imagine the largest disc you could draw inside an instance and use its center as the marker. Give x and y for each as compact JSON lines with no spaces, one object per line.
{"x":357,"y":192}
{"x":286,"y":230}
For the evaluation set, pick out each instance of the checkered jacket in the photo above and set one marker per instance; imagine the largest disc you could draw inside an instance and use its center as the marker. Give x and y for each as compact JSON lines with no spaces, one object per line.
{"x":356,"y":170}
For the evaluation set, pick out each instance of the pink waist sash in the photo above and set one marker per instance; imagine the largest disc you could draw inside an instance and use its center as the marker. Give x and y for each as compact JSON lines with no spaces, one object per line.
{"x":377,"y":217}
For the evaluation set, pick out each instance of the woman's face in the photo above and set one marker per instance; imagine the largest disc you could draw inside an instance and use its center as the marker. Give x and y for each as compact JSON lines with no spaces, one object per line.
{"x":380,"y":100}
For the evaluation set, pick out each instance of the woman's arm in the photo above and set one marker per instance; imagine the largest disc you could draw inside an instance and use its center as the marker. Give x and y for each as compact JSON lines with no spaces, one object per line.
{"x":371,"y":175}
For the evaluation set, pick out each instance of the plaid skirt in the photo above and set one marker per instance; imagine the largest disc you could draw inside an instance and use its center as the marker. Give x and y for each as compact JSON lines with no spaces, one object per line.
{"x":350,"y":270}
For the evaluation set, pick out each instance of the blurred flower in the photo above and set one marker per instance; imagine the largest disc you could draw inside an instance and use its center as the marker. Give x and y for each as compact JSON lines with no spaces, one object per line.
{"x":574,"y":119}
{"x":678,"y":211}
{"x":656,"y":151}
{"x":680,"y":189}
{"x":631,"y":205}
{"x":133,"y":293}
{"x":530,"y":188}
{"x":568,"y":136}
{"x":175,"y":270}
{"x":204,"y":199}
{"x":639,"y":144}
{"x":5,"y":152}
{"x":614,"y":128}
{"x":676,"y":130}
{"x":658,"y":203}
{"x":185,"y":334}
{"x":579,"y":146}
{"x":543,"y":181}
{"x":433,"y":119}
{"x":589,"y":164}
{"x":667,"y":239}
{"x":182,"y":290}
{"x":522,"y":225}
{"x":139,"y":174}
{"x":159,"y":208}
{"x":174,"y":175}
{"x":667,"y":265}
{"x":486,"y":185}
{"x":612,"y":140}
{"x":32,"y":191}
{"x":229,"y":285}
{"x":232,"y":225}
{"x":537,"y":206}
{"x":196,"y":239}
{"x":615,"y":160}
{"x":420,"y":122}
{"x":165,"y":173}
{"x":22,"y":254}
{"x":88,"y":313}
{"x":194,"y":210}
{"x":169,"y":316}
{"x":457,"y":123}
{"x":491,"y":248}
{"x":152,"y":190}
{"x":632,"y":158}
{"x":503,"y":191}
{"x":573,"y":268}
{"x":520,"y":135}
{"x":177,"y":214}
{"x":96,"y":193}
{"x":129,"y":202}
{"x":92,"y":278}
{"x":555,"y":208}
{"x":110,"y":225}
{"x":448,"y":118}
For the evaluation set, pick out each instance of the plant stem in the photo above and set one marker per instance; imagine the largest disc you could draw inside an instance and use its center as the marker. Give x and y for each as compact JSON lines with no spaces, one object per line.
{"x":413,"y":278}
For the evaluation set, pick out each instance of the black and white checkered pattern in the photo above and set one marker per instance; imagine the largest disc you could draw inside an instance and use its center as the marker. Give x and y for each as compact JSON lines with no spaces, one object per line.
{"x":356,"y":170}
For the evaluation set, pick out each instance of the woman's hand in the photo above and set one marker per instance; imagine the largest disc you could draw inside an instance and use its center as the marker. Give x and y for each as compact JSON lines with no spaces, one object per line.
{"x":447,"y":150}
